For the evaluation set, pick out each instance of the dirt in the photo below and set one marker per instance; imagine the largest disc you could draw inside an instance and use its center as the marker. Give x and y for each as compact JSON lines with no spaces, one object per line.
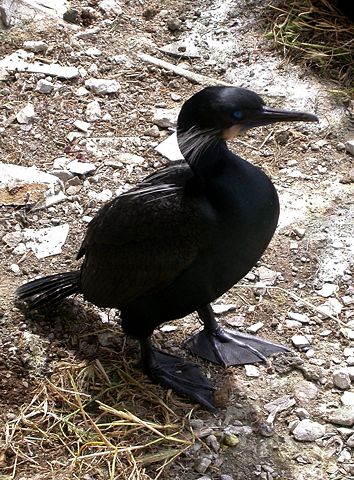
{"x":36,"y":348}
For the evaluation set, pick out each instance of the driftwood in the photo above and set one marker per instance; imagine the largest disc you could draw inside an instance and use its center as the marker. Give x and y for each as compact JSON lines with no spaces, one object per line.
{"x":183,"y":72}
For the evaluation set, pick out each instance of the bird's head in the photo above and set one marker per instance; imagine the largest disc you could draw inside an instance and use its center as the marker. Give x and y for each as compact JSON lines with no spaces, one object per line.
{"x":225,"y":112}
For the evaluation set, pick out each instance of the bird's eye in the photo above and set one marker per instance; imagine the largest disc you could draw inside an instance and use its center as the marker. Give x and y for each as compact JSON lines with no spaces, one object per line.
{"x":237,"y":115}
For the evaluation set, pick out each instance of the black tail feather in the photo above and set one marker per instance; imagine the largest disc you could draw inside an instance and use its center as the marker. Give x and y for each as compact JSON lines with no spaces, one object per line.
{"x":49,"y":290}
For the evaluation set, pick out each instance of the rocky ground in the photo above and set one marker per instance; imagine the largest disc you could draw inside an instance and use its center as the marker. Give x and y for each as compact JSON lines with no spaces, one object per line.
{"x":79,"y":103}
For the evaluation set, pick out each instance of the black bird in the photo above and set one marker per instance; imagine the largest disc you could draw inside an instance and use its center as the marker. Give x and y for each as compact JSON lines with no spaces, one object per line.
{"x":180,"y":239}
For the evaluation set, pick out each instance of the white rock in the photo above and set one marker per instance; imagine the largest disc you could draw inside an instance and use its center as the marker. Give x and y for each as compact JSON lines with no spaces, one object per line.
{"x":168,"y":328}
{"x":15,"y":268}
{"x":46,"y":241}
{"x":103,"y":196}
{"x":110,"y":7}
{"x":35,"y":46}
{"x":252,"y":371}
{"x":348,"y":351}
{"x":331,"y":307}
{"x":220,"y":308}
{"x":81,"y":91}
{"x":327,"y":290}
{"x":44,"y":86}
{"x":236,"y":321}
{"x":165,"y":117}
{"x":302,"y":413}
{"x":292,"y":324}
{"x":51,"y":69}
{"x":60,"y":162}
{"x":12,"y":239}
{"x":101,"y":86}
{"x":300,"y":232}
{"x":88,"y":33}
{"x":93,"y":111}
{"x":20,"y":249}
{"x":300,"y":341}
{"x":267,"y":276}
{"x":255,"y":327}
{"x":308,"y":431}
{"x":26,"y":114}
{"x":343,"y":416}
{"x":341,"y":379}
{"x":299,"y":317}
{"x":349,"y":146}
{"x":305,"y":391}
{"x":82,"y":126}
{"x":169,"y":148}
{"x":107,"y":117}
{"x":345,"y":456}
{"x":21,"y":185}
{"x":93,"y":69}
{"x":347,"y":398}
{"x":80,"y":168}
{"x":130,"y":158}
{"x":348,"y":300}
{"x":93,"y":52}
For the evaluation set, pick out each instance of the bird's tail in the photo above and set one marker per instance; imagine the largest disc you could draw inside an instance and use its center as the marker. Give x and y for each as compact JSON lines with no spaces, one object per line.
{"x":49,"y":290}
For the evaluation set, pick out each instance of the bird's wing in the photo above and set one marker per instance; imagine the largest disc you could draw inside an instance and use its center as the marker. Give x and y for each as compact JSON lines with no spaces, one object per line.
{"x":139,"y":243}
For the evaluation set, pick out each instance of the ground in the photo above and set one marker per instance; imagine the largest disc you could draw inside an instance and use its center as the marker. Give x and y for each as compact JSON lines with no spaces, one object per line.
{"x":73,"y":402}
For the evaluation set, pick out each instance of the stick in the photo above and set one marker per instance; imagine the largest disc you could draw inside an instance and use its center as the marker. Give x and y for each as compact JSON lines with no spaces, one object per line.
{"x":192,"y":77}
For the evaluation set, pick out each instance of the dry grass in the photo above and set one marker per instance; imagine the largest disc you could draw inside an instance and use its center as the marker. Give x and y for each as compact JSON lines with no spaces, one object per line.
{"x":90,"y":419}
{"x":315,"y":33}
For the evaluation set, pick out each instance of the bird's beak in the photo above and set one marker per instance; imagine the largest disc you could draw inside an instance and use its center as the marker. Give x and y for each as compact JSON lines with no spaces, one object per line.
{"x":269,"y":115}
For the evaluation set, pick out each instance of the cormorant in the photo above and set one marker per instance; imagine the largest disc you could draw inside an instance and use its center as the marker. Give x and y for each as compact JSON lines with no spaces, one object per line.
{"x":180,"y":239}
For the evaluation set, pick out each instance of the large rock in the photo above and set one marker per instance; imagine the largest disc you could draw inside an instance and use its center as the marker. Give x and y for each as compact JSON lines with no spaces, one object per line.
{"x":16,"y":12}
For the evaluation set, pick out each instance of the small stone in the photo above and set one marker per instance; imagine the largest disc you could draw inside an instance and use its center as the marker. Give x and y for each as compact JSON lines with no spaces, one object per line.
{"x":299,"y":317}
{"x":82,"y":126}
{"x":80,"y":168}
{"x":350,"y":361}
{"x":280,"y":404}
{"x":44,"y":86}
{"x":267,"y":276}
{"x":302,"y":413}
{"x":110,"y":7}
{"x":252,"y":371}
{"x":350,"y":441}
{"x":175,"y":97}
{"x":81,"y":91}
{"x":63,"y":175}
{"x":300,"y":232}
{"x":230,"y":440}
{"x":130,"y":158}
{"x":93,"y":111}
{"x":308,"y":431}
{"x":12,"y":239}
{"x":226,"y":477}
{"x":348,"y":351}
{"x":202,"y":464}
{"x":341,"y":379}
{"x":93,"y":52}
{"x":331,"y":307}
{"x":348,"y":300}
{"x":347,"y":398}
{"x":35,"y":46}
{"x":340,"y":146}
{"x":292,"y":324}
{"x":349,"y":146}
{"x":344,"y":456}
{"x":26,"y":114}
{"x":236,"y":321}
{"x":15,"y":268}
{"x":343,"y":416}
{"x":294,"y":245}
{"x":255,"y":327}
{"x":87,"y":34}
{"x":103,"y":196}
{"x":212,"y":442}
{"x":168,"y":328}
{"x":327,"y":290}
{"x":174,"y":24}
{"x":153,"y":132}
{"x":165,"y":117}
{"x":305,"y":391}
{"x":101,"y":86}
{"x":300,"y":341}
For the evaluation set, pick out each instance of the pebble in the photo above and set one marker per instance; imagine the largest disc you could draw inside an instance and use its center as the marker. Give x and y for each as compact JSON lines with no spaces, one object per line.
{"x":93,"y":52}
{"x":26,"y":114}
{"x":165,"y":117}
{"x":299,"y":231}
{"x":103,"y":196}
{"x":93,"y":111}
{"x":88,"y":33}
{"x":81,"y":91}
{"x":350,"y":441}
{"x":236,"y":321}
{"x":343,"y":416}
{"x":280,"y":404}
{"x":350,"y":361}
{"x":226,"y":477}
{"x":12,"y":239}
{"x":175,"y":97}
{"x":204,"y":477}
{"x":331,"y":307}
{"x":267,"y":276}
{"x":255,"y":327}
{"x":212,"y":442}
{"x":201,"y":465}
{"x":15,"y":268}
{"x":80,"y":168}
{"x":349,"y":146}
{"x":44,"y":86}
{"x":348,"y":352}
{"x":174,"y":24}
{"x":292,"y":324}
{"x":110,"y":7}
{"x":299,"y":317}
{"x":153,"y":132}
{"x":300,"y":341}
{"x":82,"y":126}
{"x":348,"y":300}
{"x":308,"y":431}
{"x":35,"y":46}
{"x":341,"y":379}
{"x":302,"y":413}
{"x":101,"y":86}
{"x":252,"y":371}
{"x":347,"y":398}
{"x":305,"y":391}
{"x":327,"y":290}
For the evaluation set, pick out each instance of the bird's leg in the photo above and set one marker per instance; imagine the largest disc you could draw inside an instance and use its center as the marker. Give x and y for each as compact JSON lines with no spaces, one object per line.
{"x":226,"y":347}
{"x":183,"y":377}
